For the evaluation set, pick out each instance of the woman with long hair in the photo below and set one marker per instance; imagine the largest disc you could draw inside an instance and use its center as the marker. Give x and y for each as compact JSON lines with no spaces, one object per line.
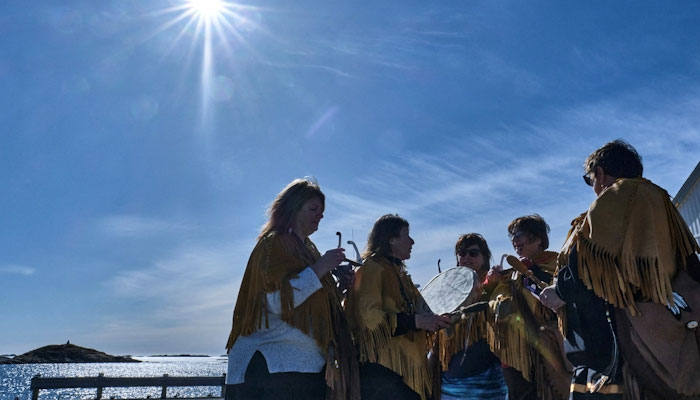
{"x":390,"y":319}
{"x":288,"y":324}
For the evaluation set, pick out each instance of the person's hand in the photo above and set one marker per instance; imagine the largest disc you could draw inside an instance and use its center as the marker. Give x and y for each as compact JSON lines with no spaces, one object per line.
{"x":346,"y":277}
{"x":328,"y":261}
{"x":495,"y":274}
{"x":432,"y":322}
{"x":550,"y":299}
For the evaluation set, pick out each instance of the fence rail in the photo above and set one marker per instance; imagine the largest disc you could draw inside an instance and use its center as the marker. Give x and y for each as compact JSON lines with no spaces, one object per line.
{"x":100,"y":382}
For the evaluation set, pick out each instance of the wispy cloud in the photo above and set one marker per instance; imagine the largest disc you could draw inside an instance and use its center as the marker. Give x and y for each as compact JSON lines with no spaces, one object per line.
{"x":410,"y":50}
{"x":325,"y":68}
{"x":663,"y":128}
{"x":184,"y":269}
{"x":17,"y":270}
{"x":139,"y":226}
{"x":187,"y":297}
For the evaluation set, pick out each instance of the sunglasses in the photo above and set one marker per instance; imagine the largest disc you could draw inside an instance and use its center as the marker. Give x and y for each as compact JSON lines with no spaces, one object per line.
{"x":517,"y":234}
{"x":588,"y":179}
{"x":471,"y":252}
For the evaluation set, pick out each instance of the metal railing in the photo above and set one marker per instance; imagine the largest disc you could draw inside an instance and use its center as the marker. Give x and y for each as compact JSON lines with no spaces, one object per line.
{"x":100,"y":382}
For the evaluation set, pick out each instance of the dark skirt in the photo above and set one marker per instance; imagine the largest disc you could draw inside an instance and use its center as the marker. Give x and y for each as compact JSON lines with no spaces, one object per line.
{"x":260,"y":384}
{"x":380,"y":383}
{"x":519,"y":388}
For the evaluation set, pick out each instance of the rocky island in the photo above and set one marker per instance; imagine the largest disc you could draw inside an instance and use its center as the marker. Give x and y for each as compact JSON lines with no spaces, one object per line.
{"x":64,"y":353}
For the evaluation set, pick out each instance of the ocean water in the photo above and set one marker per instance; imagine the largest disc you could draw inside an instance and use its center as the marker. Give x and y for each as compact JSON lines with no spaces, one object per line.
{"x":15,"y":379}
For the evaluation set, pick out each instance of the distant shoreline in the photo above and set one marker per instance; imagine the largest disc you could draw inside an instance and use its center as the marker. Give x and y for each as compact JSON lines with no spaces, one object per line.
{"x":178,"y":355}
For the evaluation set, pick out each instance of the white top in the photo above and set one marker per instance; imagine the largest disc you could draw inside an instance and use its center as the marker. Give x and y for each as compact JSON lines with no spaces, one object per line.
{"x":285,"y":348}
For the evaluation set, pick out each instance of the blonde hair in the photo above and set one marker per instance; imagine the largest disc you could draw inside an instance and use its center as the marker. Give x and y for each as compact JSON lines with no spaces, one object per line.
{"x":287,"y":204}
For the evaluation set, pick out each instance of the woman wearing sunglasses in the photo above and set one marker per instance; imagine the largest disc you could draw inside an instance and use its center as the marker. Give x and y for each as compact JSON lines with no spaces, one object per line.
{"x":472,"y":372}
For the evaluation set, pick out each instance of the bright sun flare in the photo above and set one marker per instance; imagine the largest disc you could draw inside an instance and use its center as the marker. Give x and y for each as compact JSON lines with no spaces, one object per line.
{"x":207,"y":8}
{"x":223,"y":22}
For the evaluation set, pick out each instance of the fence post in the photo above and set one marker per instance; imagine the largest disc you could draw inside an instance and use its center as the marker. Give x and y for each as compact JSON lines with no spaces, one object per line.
{"x":165,"y":388}
{"x":223,"y":387}
{"x":99,"y":385}
{"x":35,"y":391}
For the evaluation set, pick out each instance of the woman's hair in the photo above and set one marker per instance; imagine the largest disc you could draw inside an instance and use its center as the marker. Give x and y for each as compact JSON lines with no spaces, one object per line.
{"x":386,"y":227}
{"x":287,"y":204}
{"x":470,"y":239}
{"x":532,"y":225}
{"x":617,"y":158}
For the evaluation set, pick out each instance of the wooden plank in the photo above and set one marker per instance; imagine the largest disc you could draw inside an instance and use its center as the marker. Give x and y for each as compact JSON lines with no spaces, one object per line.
{"x":103,"y":381}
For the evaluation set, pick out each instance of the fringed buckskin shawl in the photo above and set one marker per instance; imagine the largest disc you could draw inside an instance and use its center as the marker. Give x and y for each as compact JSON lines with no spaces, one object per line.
{"x":275,"y":260}
{"x":630,"y":244}
{"x":461,"y":335}
{"x":528,"y":339}
{"x":468,"y":330}
{"x":372,"y":309}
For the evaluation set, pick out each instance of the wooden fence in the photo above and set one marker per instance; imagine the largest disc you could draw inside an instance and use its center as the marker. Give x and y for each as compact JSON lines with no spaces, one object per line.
{"x":100,"y":382}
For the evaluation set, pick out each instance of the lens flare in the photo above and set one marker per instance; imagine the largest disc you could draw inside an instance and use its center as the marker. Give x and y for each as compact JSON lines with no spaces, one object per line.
{"x":215,"y":28}
{"x":207,"y":9}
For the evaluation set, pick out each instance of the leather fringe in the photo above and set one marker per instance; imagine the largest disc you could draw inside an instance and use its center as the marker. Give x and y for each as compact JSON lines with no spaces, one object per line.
{"x":462,"y":335}
{"x":376,"y":346}
{"x":622,"y":278}
{"x":618,"y":281}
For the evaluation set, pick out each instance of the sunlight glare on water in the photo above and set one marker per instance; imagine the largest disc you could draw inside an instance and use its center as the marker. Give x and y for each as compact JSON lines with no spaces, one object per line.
{"x":15,"y":379}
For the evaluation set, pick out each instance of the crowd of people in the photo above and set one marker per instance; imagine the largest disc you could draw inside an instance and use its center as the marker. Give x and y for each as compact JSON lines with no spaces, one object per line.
{"x":611,"y":316}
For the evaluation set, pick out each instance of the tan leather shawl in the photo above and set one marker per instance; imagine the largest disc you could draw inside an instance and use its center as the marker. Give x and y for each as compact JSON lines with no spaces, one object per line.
{"x":275,"y":260}
{"x":461,"y":335}
{"x":372,"y":308}
{"x":630,"y":244}
{"x":527,"y":339}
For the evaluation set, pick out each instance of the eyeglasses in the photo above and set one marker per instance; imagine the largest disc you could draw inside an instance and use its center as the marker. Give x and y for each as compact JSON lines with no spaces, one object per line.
{"x":515,"y":234}
{"x":588,"y":179}
{"x":471,"y":252}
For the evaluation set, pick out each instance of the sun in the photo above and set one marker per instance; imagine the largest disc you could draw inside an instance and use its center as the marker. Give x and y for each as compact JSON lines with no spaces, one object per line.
{"x":207,"y":9}
{"x":217,"y":28}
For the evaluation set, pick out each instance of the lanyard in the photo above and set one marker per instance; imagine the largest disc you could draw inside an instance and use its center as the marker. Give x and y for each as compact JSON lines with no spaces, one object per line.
{"x":404,"y":295}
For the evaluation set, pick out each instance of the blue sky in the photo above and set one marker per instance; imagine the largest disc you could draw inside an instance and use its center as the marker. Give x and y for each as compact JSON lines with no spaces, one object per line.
{"x":138,"y":158}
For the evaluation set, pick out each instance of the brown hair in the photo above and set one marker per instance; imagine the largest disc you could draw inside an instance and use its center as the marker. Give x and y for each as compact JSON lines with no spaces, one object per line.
{"x":470,"y":239}
{"x":288,"y":203}
{"x":385,"y":228}
{"x":617,"y":158}
{"x":532,"y":225}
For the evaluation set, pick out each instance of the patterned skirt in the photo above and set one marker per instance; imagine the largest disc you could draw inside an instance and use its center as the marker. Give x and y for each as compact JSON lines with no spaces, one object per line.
{"x":488,"y":385}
